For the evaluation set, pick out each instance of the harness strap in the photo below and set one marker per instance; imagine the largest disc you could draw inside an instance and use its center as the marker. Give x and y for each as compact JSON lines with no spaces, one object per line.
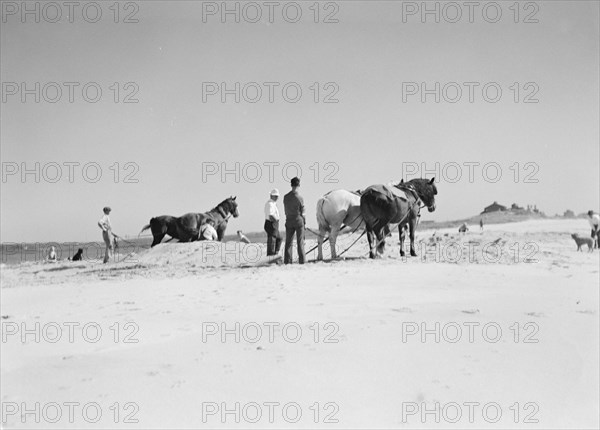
{"x":221,"y":211}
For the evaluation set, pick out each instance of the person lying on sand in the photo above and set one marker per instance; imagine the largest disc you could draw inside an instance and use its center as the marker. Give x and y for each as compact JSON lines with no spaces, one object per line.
{"x":207,"y":231}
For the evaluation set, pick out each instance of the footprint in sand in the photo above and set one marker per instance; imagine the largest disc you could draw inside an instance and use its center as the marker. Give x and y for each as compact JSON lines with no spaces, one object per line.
{"x":470,"y":311}
{"x":152,"y":373}
{"x":403,"y":310}
{"x":177,"y":383}
{"x":535,"y":314}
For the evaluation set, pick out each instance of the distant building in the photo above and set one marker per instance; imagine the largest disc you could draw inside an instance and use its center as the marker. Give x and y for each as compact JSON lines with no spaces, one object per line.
{"x":569,"y":214}
{"x":494,"y":207}
{"x":515,"y":207}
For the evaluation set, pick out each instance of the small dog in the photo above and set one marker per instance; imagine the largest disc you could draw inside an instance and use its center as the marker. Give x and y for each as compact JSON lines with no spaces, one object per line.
{"x":580,"y":241}
{"x":79,"y":255}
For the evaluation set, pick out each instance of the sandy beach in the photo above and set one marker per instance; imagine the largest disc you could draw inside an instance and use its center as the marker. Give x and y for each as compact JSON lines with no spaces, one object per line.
{"x":187,"y":337}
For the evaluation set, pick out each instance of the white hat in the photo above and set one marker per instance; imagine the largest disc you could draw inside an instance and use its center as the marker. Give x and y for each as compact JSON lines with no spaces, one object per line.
{"x":275,"y":192}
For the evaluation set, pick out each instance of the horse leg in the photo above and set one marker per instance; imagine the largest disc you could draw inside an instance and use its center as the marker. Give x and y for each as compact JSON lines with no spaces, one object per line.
{"x":381,"y":241}
{"x":412,"y":226}
{"x":320,"y":245}
{"x":372,"y":252}
{"x":221,"y":230}
{"x":332,"y":240}
{"x":401,"y":233}
{"x":381,"y":234}
{"x":157,"y":239}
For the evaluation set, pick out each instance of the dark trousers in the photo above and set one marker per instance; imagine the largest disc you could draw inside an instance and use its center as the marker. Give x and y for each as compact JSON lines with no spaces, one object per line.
{"x":289,"y":242}
{"x":273,"y":237}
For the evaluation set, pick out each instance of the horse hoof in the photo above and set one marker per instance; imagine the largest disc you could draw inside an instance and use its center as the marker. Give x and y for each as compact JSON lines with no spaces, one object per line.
{"x":401,"y":253}
{"x":413,"y":253}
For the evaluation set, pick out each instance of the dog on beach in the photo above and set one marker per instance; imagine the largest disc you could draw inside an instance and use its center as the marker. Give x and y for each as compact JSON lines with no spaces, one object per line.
{"x":580,"y":241}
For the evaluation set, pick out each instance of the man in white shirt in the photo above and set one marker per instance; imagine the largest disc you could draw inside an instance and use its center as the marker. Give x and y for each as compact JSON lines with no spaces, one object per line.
{"x":272,"y":224}
{"x":107,"y":233}
{"x":594,"y":220}
{"x":207,"y":231}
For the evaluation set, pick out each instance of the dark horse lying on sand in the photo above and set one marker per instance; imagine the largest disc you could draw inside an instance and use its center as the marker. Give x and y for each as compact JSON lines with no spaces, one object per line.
{"x":382,"y":205}
{"x":186,"y":228}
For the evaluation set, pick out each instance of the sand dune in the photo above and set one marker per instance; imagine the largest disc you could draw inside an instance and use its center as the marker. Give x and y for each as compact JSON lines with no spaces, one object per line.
{"x":516,"y":307}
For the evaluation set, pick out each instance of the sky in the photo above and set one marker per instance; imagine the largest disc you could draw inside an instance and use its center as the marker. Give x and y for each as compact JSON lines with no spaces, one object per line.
{"x":157,"y":156}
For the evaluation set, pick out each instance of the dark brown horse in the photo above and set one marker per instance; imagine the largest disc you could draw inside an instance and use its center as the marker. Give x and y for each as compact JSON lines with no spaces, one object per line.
{"x":382,"y":205}
{"x":186,"y":228}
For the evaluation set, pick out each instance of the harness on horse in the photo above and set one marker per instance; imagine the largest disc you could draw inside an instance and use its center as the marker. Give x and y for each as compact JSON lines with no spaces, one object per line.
{"x":411,"y":189}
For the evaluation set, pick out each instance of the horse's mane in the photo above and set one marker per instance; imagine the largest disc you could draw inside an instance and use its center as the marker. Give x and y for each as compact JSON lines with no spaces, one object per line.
{"x":228,"y":204}
{"x":420,"y":184}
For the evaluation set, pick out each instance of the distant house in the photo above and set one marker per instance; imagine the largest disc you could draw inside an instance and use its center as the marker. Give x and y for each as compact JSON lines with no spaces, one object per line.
{"x":494,"y":207}
{"x":569,"y":214}
{"x":515,"y":207}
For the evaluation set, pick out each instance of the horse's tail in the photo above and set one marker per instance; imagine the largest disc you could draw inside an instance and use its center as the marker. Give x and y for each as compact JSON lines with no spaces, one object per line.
{"x":321,"y":220}
{"x":146,"y":227}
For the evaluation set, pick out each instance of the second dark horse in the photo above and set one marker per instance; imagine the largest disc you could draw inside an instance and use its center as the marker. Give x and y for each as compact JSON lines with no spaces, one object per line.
{"x":383,"y":205}
{"x":186,"y":228}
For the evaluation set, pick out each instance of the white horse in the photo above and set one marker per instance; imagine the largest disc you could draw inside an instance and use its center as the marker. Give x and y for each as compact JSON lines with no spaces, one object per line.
{"x":334,"y":209}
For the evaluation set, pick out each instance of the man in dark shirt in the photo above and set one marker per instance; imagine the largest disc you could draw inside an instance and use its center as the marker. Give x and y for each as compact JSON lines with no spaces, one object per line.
{"x":293,"y":204}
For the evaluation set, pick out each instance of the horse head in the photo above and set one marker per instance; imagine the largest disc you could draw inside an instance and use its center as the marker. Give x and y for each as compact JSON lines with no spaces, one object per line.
{"x":426,"y":190}
{"x":231,"y":206}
